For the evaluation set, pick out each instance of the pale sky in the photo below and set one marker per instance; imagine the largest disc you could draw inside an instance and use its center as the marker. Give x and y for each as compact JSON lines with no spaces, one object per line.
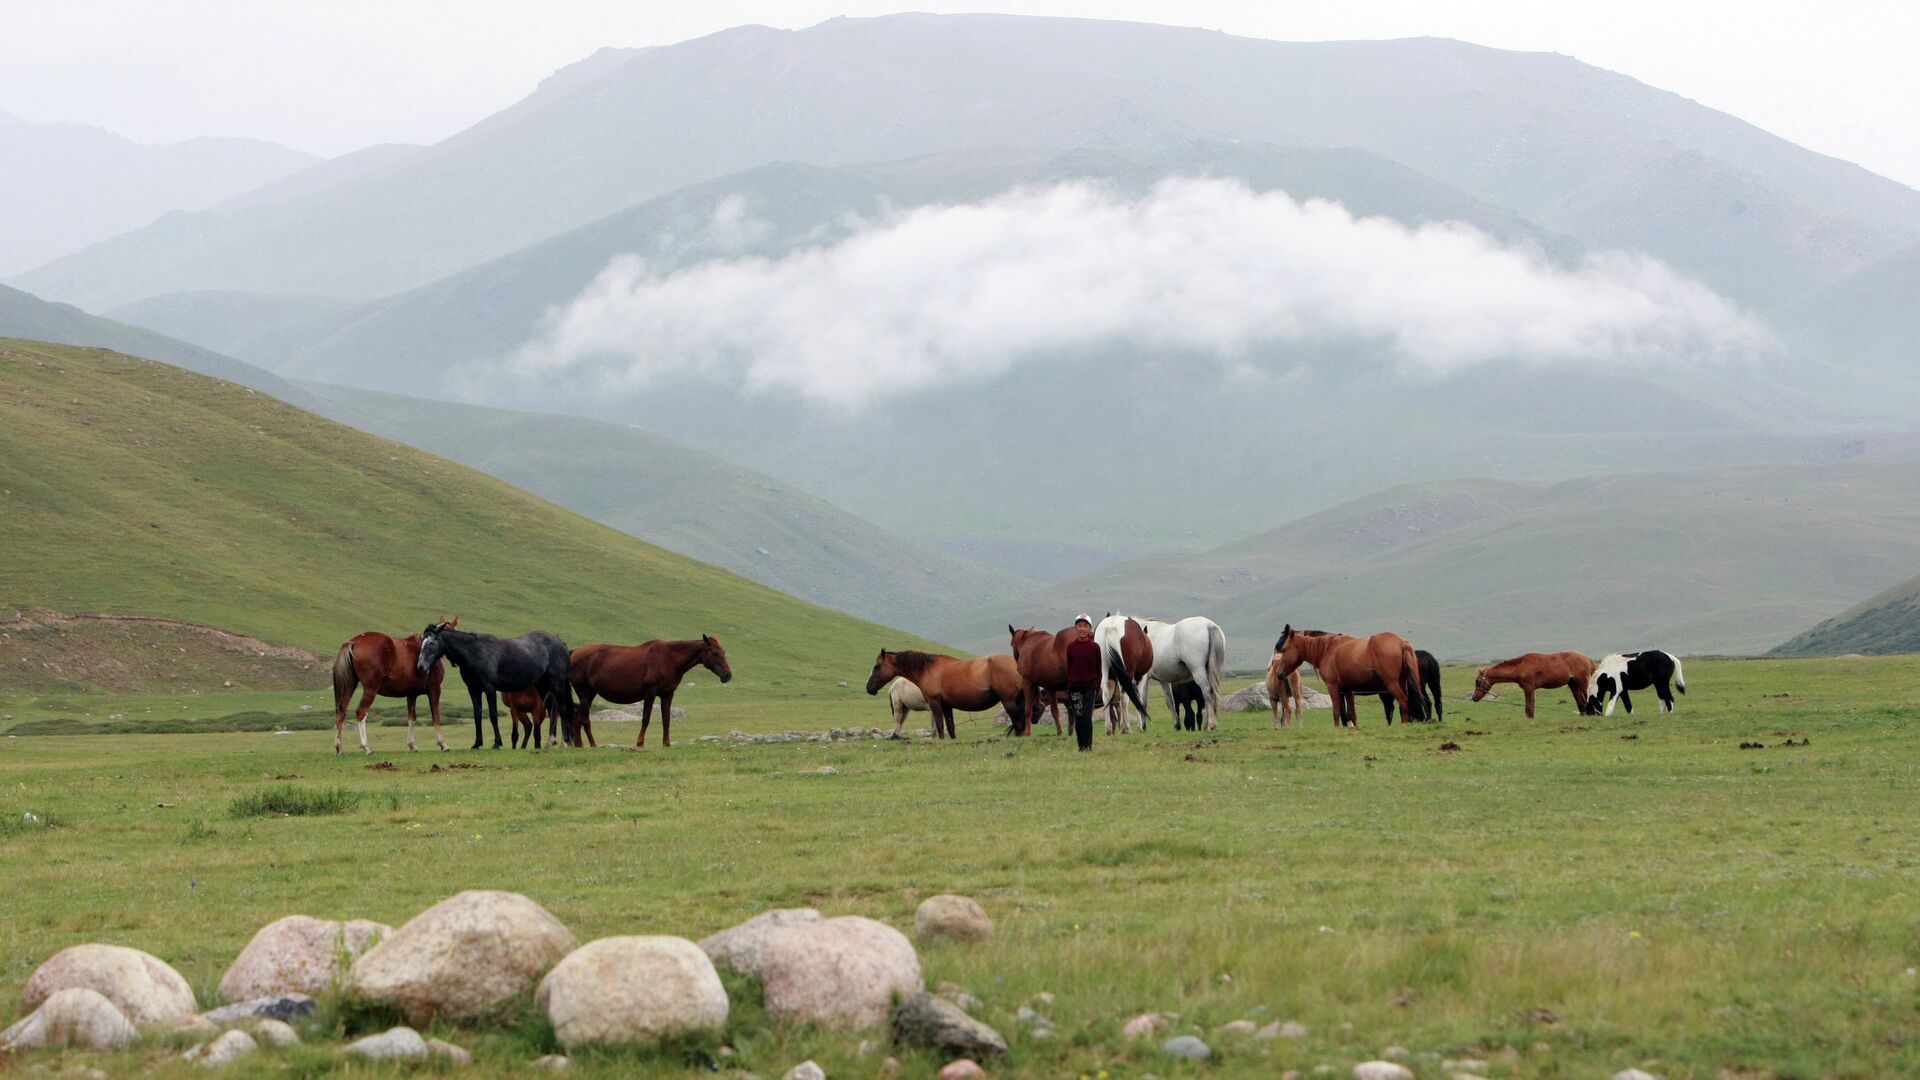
{"x":329,"y":76}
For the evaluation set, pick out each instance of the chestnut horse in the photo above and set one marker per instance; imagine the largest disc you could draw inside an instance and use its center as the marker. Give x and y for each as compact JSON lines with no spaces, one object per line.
{"x":385,"y":666}
{"x":1381,"y":664}
{"x":1283,"y":693}
{"x":624,"y":674}
{"x":528,"y":711}
{"x":1041,"y":658}
{"x":1539,"y":671}
{"x":1129,"y":638}
{"x":947,"y":683}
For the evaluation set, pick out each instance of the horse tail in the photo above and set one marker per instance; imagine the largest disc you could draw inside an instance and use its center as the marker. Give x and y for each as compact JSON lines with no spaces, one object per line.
{"x":1216,"y":663}
{"x":1410,"y":683}
{"x":344,"y":677}
{"x":1117,"y":669}
{"x":1433,"y":685}
{"x":1679,"y":677}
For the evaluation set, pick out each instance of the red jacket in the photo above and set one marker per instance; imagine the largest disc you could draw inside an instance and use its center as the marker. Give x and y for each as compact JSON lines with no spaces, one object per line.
{"x":1083,"y":664}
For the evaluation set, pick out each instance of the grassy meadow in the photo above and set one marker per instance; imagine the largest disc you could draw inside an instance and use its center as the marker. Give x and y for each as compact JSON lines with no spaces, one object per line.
{"x":1561,"y":897}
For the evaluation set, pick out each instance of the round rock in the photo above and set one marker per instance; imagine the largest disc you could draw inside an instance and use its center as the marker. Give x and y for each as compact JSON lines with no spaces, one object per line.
{"x":631,"y":990}
{"x":462,"y":957}
{"x":806,"y":1070}
{"x":75,"y":1017}
{"x":1187,"y":1048}
{"x":738,"y":949}
{"x":393,"y":1044}
{"x":296,"y":955}
{"x":1634,"y":1074}
{"x":225,"y":1050}
{"x":925,"y":1020}
{"x":963,"y":1069}
{"x":275,"y":1032}
{"x":1381,"y":1070}
{"x":951,"y":918}
{"x":837,"y":973}
{"x":142,"y":986}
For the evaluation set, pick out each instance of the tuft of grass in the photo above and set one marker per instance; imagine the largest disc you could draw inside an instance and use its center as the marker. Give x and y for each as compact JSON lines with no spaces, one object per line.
{"x":198,"y":831}
{"x":288,"y":800}
{"x":26,"y":821}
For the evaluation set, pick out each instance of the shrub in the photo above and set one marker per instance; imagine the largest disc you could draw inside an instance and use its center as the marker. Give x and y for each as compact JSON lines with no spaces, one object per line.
{"x":290,"y":801}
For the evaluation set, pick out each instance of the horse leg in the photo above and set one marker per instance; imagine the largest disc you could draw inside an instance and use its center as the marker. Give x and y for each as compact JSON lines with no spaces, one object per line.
{"x":666,"y":719}
{"x":366,"y":702}
{"x":493,"y":714}
{"x":583,"y":720}
{"x":479,"y":739}
{"x":1666,"y":696}
{"x":1624,"y":699}
{"x":1528,"y":690}
{"x":433,"y":706}
{"x":646,"y":718}
{"x":412,"y":701}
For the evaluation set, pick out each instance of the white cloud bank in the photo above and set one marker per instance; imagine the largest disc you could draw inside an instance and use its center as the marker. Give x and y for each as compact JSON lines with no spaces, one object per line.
{"x":947,"y":294}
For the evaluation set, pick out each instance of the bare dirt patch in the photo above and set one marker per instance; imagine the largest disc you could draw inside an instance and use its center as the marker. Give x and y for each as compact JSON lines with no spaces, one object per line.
{"x":48,"y":650}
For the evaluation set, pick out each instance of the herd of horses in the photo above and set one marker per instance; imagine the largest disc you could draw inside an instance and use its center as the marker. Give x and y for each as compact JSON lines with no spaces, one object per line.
{"x":541,"y":680}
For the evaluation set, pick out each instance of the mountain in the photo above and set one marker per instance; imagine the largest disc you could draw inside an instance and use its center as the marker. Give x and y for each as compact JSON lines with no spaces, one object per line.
{"x":693,"y":503}
{"x":226,"y":322}
{"x":1716,"y":560}
{"x":1870,"y":318}
{"x":64,"y":186}
{"x":1573,"y":148}
{"x":1886,"y":622}
{"x":138,"y":488}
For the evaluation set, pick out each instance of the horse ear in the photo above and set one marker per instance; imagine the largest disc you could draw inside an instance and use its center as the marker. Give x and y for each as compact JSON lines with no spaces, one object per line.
{"x":1010,"y":630}
{"x":708,"y":638}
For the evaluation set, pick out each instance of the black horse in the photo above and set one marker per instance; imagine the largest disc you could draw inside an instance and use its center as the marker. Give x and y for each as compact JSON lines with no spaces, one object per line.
{"x":1429,"y":689}
{"x":1188,"y":701}
{"x":487,"y":664}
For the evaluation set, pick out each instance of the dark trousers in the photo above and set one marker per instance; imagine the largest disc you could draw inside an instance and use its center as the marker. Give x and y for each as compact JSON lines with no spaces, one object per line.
{"x":1080,"y":703}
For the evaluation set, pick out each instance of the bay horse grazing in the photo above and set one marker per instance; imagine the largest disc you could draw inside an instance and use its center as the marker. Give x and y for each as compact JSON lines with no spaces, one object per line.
{"x":1539,"y":671}
{"x":1191,"y":650}
{"x":384,"y":666}
{"x":1040,"y":656}
{"x":535,"y":661}
{"x":1621,"y":672}
{"x":1382,"y":663}
{"x":1429,"y":688}
{"x":624,"y":674}
{"x":947,"y":683}
{"x":1129,"y":639}
{"x":1283,"y":693}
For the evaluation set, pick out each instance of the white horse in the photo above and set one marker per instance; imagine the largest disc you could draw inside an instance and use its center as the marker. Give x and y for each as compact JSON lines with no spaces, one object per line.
{"x":902,"y":698}
{"x":1191,"y":650}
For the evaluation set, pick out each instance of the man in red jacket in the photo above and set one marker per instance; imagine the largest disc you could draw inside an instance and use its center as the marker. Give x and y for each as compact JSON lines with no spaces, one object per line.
{"x":1083,"y":680}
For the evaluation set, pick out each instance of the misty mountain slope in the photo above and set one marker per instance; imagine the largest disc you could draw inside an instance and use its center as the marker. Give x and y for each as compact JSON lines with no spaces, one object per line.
{"x":64,"y":186}
{"x":323,"y":175}
{"x":1886,"y":622}
{"x":1723,"y":561}
{"x":1871,"y":318}
{"x":691,"y":503}
{"x":223,"y":321}
{"x":1518,"y":130}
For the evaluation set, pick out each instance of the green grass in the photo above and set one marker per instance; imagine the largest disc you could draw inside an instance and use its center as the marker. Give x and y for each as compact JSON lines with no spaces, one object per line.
{"x":1678,"y":903}
{"x":289,"y":800}
{"x":138,"y":488}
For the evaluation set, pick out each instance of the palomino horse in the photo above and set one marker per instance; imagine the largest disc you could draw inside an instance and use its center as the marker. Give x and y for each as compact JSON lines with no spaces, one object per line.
{"x":1041,"y":658}
{"x":1191,"y":650}
{"x":1429,"y":688}
{"x":385,"y":666}
{"x":1128,"y":638}
{"x":1283,"y":693}
{"x":947,"y":683}
{"x":624,"y":674}
{"x":488,"y":665}
{"x":1383,"y":663}
{"x":1539,"y":671}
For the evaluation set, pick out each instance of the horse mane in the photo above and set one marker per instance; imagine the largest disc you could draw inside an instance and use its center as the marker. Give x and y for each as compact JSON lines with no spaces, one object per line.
{"x":912,"y":661}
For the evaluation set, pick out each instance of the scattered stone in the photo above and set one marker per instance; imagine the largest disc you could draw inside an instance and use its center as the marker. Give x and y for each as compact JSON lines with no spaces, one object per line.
{"x":225,"y":1050}
{"x":1465,"y":1076}
{"x":1290,"y":1074}
{"x":632,"y":989}
{"x":1381,"y":1070}
{"x":959,"y":995}
{"x":275,"y":1032}
{"x":1269,"y":1032}
{"x":826,"y":770}
{"x":951,"y":918}
{"x":1187,"y":1048}
{"x":554,"y":1062}
{"x":1633,"y":1074}
{"x":806,"y":1070}
{"x":455,"y":1055}
{"x":1032,"y":1019}
{"x":77,"y":1016}
{"x":296,"y":955}
{"x":393,"y":1044}
{"x":461,"y":957}
{"x":197,"y":1025}
{"x":738,"y":949}
{"x":1293,"y":1029}
{"x":1396,"y":1053}
{"x":1146,"y":1025}
{"x":838,"y":973}
{"x":963,"y":1069}
{"x":284,"y":1007}
{"x":1044,"y":997}
{"x":890,"y":1066}
{"x":1537,"y":1016}
{"x":938,"y":1024}
{"x":142,"y":986}
{"x":1237,"y":1028}
{"x":1464,"y":1065}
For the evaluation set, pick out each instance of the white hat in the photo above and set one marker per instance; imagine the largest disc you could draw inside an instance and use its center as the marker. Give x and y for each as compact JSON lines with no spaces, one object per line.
{"x":1083,"y":617}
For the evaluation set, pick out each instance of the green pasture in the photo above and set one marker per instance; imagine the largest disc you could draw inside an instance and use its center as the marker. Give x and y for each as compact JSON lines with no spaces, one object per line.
{"x":1562,"y":897}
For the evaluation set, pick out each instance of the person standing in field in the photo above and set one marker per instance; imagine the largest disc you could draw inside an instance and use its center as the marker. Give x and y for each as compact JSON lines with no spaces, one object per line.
{"x":1083,"y":680}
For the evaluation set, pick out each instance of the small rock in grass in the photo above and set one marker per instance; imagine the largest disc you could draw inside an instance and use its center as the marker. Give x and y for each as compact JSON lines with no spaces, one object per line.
{"x":1237,"y":1028}
{"x":963,"y":1069}
{"x":890,"y":1067}
{"x":959,"y":995}
{"x":806,"y":1070}
{"x":1027,"y":1016}
{"x":1381,"y":1070}
{"x":1146,"y":1024}
{"x":274,"y":1032}
{"x":455,"y":1055}
{"x":393,"y":1044}
{"x":867,"y":1046}
{"x":1290,"y":1074}
{"x":1396,"y":1053}
{"x":554,"y":1062}
{"x":951,"y":918}
{"x":938,"y":1024}
{"x":197,"y":1025}
{"x":286,"y":1007}
{"x":1187,"y":1048}
{"x":1633,"y":1074}
{"x":1044,"y":997}
{"x":228,"y":1048}
{"x":77,"y":1017}
{"x":1464,"y":1065}
{"x":1465,"y":1076}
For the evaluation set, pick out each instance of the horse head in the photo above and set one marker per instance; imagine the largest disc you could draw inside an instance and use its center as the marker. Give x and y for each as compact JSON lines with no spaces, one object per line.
{"x":714,"y":658}
{"x":431,"y":647}
{"x":884,"y":672}
{"x":1287,"y":651}
{"x":1481,"y":684}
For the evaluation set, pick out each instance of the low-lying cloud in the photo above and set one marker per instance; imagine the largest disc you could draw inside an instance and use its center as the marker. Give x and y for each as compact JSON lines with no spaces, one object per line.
{"x":948,"y":294}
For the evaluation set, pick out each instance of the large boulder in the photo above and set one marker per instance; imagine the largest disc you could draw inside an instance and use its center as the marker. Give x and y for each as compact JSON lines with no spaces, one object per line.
{"x":462,"y":957}
{"x":1255,"y":697}
{"x":79,"y":1017}
{"x":142,"y":986}
{"x":934,"y":1023}
{"x":738,"y":948}
{"x":297,"y":955}
{"x":953,"y":918}
{"x":632,"y":989}
{"x":837,"y":973}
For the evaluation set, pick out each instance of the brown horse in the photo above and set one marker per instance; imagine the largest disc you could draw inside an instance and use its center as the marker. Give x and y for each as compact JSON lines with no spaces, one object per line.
{"x":386,"y":667}
{"x":1283,"y":693}
{"x":1381,"y":664}
{"x":1136,"y":656}
{"x":1539,"y":671}
{"x":949,"y":682}
{"x":1041,"y":658}
{"x":624,"y":674}
{"x":528,"y":709}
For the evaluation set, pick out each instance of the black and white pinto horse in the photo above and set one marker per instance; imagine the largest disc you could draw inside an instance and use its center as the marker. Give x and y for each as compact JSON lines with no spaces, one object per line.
{"x":1622,"y":672}
{"x":488,"y":665}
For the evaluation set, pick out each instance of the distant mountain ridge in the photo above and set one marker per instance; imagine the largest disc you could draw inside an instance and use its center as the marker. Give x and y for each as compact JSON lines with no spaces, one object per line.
{"x":1886,"y":622}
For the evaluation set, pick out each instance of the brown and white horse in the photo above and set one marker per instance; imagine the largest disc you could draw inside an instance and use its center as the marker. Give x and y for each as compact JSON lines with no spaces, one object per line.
{"x":1128,"y":638}
{"x":1539,"y":671}
{"x":1041,"y":658}
{"x":1381,"y":664}
{"x":947,"y":683}
{"x":385,"y":666}
{"x":624,"y":674}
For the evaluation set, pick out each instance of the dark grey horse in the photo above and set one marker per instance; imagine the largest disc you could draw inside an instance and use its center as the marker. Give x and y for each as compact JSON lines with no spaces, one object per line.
{"x":487,"y":664}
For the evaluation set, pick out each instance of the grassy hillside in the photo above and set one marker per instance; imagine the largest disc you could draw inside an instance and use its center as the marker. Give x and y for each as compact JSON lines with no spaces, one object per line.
{"x":694,"y":503}
{"x":1721,"y":560}
{"x":138,"y":488}
{"x":1886,"y":622}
